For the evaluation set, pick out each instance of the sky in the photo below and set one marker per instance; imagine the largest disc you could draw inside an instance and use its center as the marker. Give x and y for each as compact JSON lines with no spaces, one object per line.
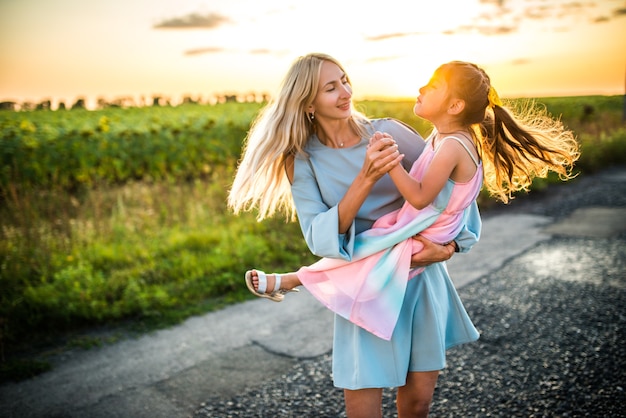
{"x":65,"y":49}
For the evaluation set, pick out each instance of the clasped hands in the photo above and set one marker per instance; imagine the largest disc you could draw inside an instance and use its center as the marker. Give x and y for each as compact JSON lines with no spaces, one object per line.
{"x":383,"y":155}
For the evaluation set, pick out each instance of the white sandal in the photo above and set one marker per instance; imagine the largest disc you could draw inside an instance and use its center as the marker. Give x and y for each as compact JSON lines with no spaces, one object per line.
{"x":277,"y":294}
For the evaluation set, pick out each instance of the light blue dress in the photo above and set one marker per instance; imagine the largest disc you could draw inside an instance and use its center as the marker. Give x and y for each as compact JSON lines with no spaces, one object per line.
{"x":432,"y":317}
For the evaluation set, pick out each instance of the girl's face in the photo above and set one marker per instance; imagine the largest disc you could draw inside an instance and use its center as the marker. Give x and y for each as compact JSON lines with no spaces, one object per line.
{"x":334,"y":93}
{"x":432,"y":101}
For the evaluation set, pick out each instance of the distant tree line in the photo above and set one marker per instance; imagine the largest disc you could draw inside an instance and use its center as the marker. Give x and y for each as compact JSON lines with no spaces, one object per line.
{"x":129,"y":101}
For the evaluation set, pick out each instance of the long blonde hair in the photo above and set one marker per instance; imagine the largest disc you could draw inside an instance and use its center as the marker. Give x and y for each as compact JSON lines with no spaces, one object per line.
{"x":516,"y":146}
{"x":281,"y":129}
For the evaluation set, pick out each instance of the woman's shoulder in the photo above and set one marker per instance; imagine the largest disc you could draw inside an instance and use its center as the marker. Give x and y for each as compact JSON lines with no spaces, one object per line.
{"x":393,"y":123}
{"x":396,"y":128}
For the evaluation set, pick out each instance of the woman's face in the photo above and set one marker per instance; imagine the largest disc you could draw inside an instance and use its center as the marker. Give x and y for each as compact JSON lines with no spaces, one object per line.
{"x":334,"y":93}
{"x":433,"y":99}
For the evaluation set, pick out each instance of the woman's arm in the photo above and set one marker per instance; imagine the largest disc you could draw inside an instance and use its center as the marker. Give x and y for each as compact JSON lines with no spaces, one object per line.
{"x":432,"y":253}
{"x":328,"y":230}
{"x":380,"y":158}
{"x":464,"y":241}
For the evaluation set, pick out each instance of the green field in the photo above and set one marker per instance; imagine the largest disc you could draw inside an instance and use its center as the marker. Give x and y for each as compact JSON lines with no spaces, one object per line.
{"x":118,"y":215}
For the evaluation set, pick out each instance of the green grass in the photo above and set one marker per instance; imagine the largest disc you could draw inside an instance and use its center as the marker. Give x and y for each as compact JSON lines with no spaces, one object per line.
{"x":142,"y":254}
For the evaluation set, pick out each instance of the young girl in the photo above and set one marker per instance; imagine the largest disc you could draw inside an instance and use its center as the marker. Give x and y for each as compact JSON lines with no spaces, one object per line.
{"x":475,"y":139}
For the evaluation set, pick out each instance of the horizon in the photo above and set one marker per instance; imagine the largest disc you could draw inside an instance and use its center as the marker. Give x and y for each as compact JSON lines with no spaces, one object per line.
{"x":64,"y":50}
{"x":126,"y":102}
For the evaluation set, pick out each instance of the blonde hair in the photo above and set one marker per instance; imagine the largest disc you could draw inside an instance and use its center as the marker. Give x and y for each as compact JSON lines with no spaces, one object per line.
{"x":281,"y":129}
{"x":515,"y":146}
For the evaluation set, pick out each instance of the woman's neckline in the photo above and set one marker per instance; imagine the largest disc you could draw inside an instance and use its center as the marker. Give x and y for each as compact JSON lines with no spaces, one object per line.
{"x":339,"y":146}
{"x":342,"y":144}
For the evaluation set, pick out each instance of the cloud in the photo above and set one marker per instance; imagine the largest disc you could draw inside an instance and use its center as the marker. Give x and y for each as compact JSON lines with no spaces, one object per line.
{"x":386,"y":36}
{"x":219,"y":50}
{"x":617,"y":13}
{"x":499,"y":3}
{"x":601,"y":19}
{"x":487,"y":30}
{"x":504,"y":17}
{"x":193,"y":21}
{"x":538,"y":12}
{"x":201,"y":51}
{"x":520,"y":61}
{"x":495,"y":30}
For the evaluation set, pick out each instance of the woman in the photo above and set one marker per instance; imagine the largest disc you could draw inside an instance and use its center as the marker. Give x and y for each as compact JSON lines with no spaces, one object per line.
{"x":308,"y":151}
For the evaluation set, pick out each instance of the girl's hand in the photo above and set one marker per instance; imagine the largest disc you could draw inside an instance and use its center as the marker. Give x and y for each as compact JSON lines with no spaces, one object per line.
{"x":382,"y":155}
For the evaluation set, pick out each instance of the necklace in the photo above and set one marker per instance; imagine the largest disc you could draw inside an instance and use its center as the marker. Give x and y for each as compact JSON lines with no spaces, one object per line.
{"x":327,"y":141}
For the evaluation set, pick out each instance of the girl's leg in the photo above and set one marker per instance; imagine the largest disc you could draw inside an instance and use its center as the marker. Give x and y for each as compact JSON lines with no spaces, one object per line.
{"x":413,"y":399}
{"x":364,"y":403}
{"x":288,"y":281}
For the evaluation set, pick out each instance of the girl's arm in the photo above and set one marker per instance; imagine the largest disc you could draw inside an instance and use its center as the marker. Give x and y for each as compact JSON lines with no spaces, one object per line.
{"x":422,"y":193}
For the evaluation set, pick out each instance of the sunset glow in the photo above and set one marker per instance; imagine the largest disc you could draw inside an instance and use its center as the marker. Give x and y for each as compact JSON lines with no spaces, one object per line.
{"x":65,"y":49}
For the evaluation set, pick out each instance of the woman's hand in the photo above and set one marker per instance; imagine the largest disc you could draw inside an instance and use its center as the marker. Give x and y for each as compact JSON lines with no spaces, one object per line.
{"x":382,"y":155}
{"x":431,"y":253}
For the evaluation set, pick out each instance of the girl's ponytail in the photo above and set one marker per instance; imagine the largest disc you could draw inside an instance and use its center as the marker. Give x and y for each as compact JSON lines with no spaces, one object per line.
{"x":515,"y":147}
{"x":520,"y":147}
